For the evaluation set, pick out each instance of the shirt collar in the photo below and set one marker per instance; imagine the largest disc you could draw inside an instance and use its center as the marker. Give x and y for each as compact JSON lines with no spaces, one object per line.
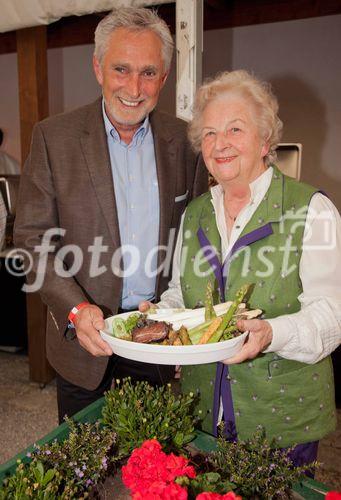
{"x":111,"y":131}
{"x":258,"y":187}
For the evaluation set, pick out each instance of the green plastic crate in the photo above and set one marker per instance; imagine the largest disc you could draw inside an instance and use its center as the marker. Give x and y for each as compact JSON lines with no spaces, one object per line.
{"x":307,"y":489}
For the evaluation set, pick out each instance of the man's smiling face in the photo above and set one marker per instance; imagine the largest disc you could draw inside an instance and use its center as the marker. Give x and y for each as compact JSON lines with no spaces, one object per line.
{"x":131,"y":75}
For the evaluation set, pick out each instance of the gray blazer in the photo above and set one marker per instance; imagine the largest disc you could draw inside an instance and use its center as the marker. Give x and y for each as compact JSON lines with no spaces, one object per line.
{"x":67,"y":183}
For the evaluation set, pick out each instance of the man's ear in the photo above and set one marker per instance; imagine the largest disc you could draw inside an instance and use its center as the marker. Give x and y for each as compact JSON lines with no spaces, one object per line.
{"x":164,"y":78}
{"x":98,"y":70}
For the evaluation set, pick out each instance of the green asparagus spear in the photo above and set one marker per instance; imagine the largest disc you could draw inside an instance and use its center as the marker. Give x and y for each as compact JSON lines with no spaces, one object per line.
{"x":196,"y":332}
{"x":184,"y":337}
{"x":229,"y":313}
{"x":229,"y":331}
{"x":209,"y":309}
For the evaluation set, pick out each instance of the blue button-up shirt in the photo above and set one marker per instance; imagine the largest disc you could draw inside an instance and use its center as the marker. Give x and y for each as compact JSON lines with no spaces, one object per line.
{"x":137,"y":199}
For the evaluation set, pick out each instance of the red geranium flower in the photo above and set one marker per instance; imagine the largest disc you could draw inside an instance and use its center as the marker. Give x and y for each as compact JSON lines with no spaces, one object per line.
{"x":145,"y":465}
{"x":149,"y":465}
{"x":162,"y":491}
{"x":333,"y":495}
{"x":178,"y":466}
{"x":215,"y":496}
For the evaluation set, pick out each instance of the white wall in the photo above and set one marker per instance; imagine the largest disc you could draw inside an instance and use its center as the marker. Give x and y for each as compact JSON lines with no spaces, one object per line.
{"x":9,"y":105}
{"x":302,"y":61}
{"x":300,"y":58}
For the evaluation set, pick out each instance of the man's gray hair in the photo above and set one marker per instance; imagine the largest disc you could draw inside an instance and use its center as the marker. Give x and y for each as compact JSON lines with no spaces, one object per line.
{"x":134,"y":19}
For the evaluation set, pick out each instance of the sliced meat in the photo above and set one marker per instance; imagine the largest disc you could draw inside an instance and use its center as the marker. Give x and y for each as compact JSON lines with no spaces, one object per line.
{"x":152,"y":332}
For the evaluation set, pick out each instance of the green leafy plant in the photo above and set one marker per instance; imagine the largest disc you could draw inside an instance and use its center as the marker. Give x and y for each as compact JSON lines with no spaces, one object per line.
{"x":67,"y":470}
{"x":137,"y":412}
{"x":256,"y":468}
{"x":31,"y":481}
{"x":206,"y":482}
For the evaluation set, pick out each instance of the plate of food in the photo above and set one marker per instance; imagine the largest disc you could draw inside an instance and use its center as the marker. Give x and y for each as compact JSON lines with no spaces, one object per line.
{"x":180,"y":336}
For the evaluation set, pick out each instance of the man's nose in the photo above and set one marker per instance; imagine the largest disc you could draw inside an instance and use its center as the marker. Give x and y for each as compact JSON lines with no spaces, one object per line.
{"x":133,"y":85}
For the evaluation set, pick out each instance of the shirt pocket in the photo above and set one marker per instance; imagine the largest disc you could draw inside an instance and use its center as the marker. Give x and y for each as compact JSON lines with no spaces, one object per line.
{"x":181,"y":197}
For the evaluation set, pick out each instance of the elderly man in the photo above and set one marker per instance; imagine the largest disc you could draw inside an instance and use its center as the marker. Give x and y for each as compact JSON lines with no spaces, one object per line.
{"x":114,"y":176}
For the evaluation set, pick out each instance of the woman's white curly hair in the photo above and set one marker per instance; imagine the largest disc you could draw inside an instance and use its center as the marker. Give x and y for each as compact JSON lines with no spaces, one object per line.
{"x":242,"y":84}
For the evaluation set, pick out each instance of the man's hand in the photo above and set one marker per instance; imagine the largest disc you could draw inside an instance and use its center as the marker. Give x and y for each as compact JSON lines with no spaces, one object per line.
{"x":88,"y":321}
{"x":259,"y":338}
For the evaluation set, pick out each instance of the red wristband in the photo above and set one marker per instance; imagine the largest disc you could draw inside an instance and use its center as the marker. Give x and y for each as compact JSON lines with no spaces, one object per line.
{"x":75,"y":310}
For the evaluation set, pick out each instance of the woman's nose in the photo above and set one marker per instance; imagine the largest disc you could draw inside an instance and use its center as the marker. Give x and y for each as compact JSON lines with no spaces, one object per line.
{"x":222,"y":141}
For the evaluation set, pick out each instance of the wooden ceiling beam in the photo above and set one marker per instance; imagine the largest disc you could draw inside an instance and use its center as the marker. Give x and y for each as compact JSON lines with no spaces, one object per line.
{"x":218,"y":14}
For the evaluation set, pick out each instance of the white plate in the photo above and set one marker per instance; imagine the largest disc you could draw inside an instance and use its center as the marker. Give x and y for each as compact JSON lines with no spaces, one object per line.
{"x":173,"y":355}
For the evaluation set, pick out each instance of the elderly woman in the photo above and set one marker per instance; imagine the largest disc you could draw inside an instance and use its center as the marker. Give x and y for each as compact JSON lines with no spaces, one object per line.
{"x":249,"y":229}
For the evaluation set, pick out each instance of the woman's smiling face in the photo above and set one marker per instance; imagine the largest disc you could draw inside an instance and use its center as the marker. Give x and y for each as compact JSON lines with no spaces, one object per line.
{"x":231,"y":144}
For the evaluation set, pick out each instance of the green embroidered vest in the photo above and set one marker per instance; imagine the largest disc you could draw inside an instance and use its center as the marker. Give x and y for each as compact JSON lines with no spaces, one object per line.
{"x":293,"y":401}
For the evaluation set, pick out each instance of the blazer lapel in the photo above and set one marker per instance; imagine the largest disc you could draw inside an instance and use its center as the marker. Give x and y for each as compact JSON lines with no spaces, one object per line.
{"x":96,"y":154}
{"x":166,"y":165}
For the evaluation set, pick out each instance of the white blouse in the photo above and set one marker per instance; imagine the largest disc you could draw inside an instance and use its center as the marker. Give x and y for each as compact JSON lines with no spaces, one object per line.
{"x":312,"y":333}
